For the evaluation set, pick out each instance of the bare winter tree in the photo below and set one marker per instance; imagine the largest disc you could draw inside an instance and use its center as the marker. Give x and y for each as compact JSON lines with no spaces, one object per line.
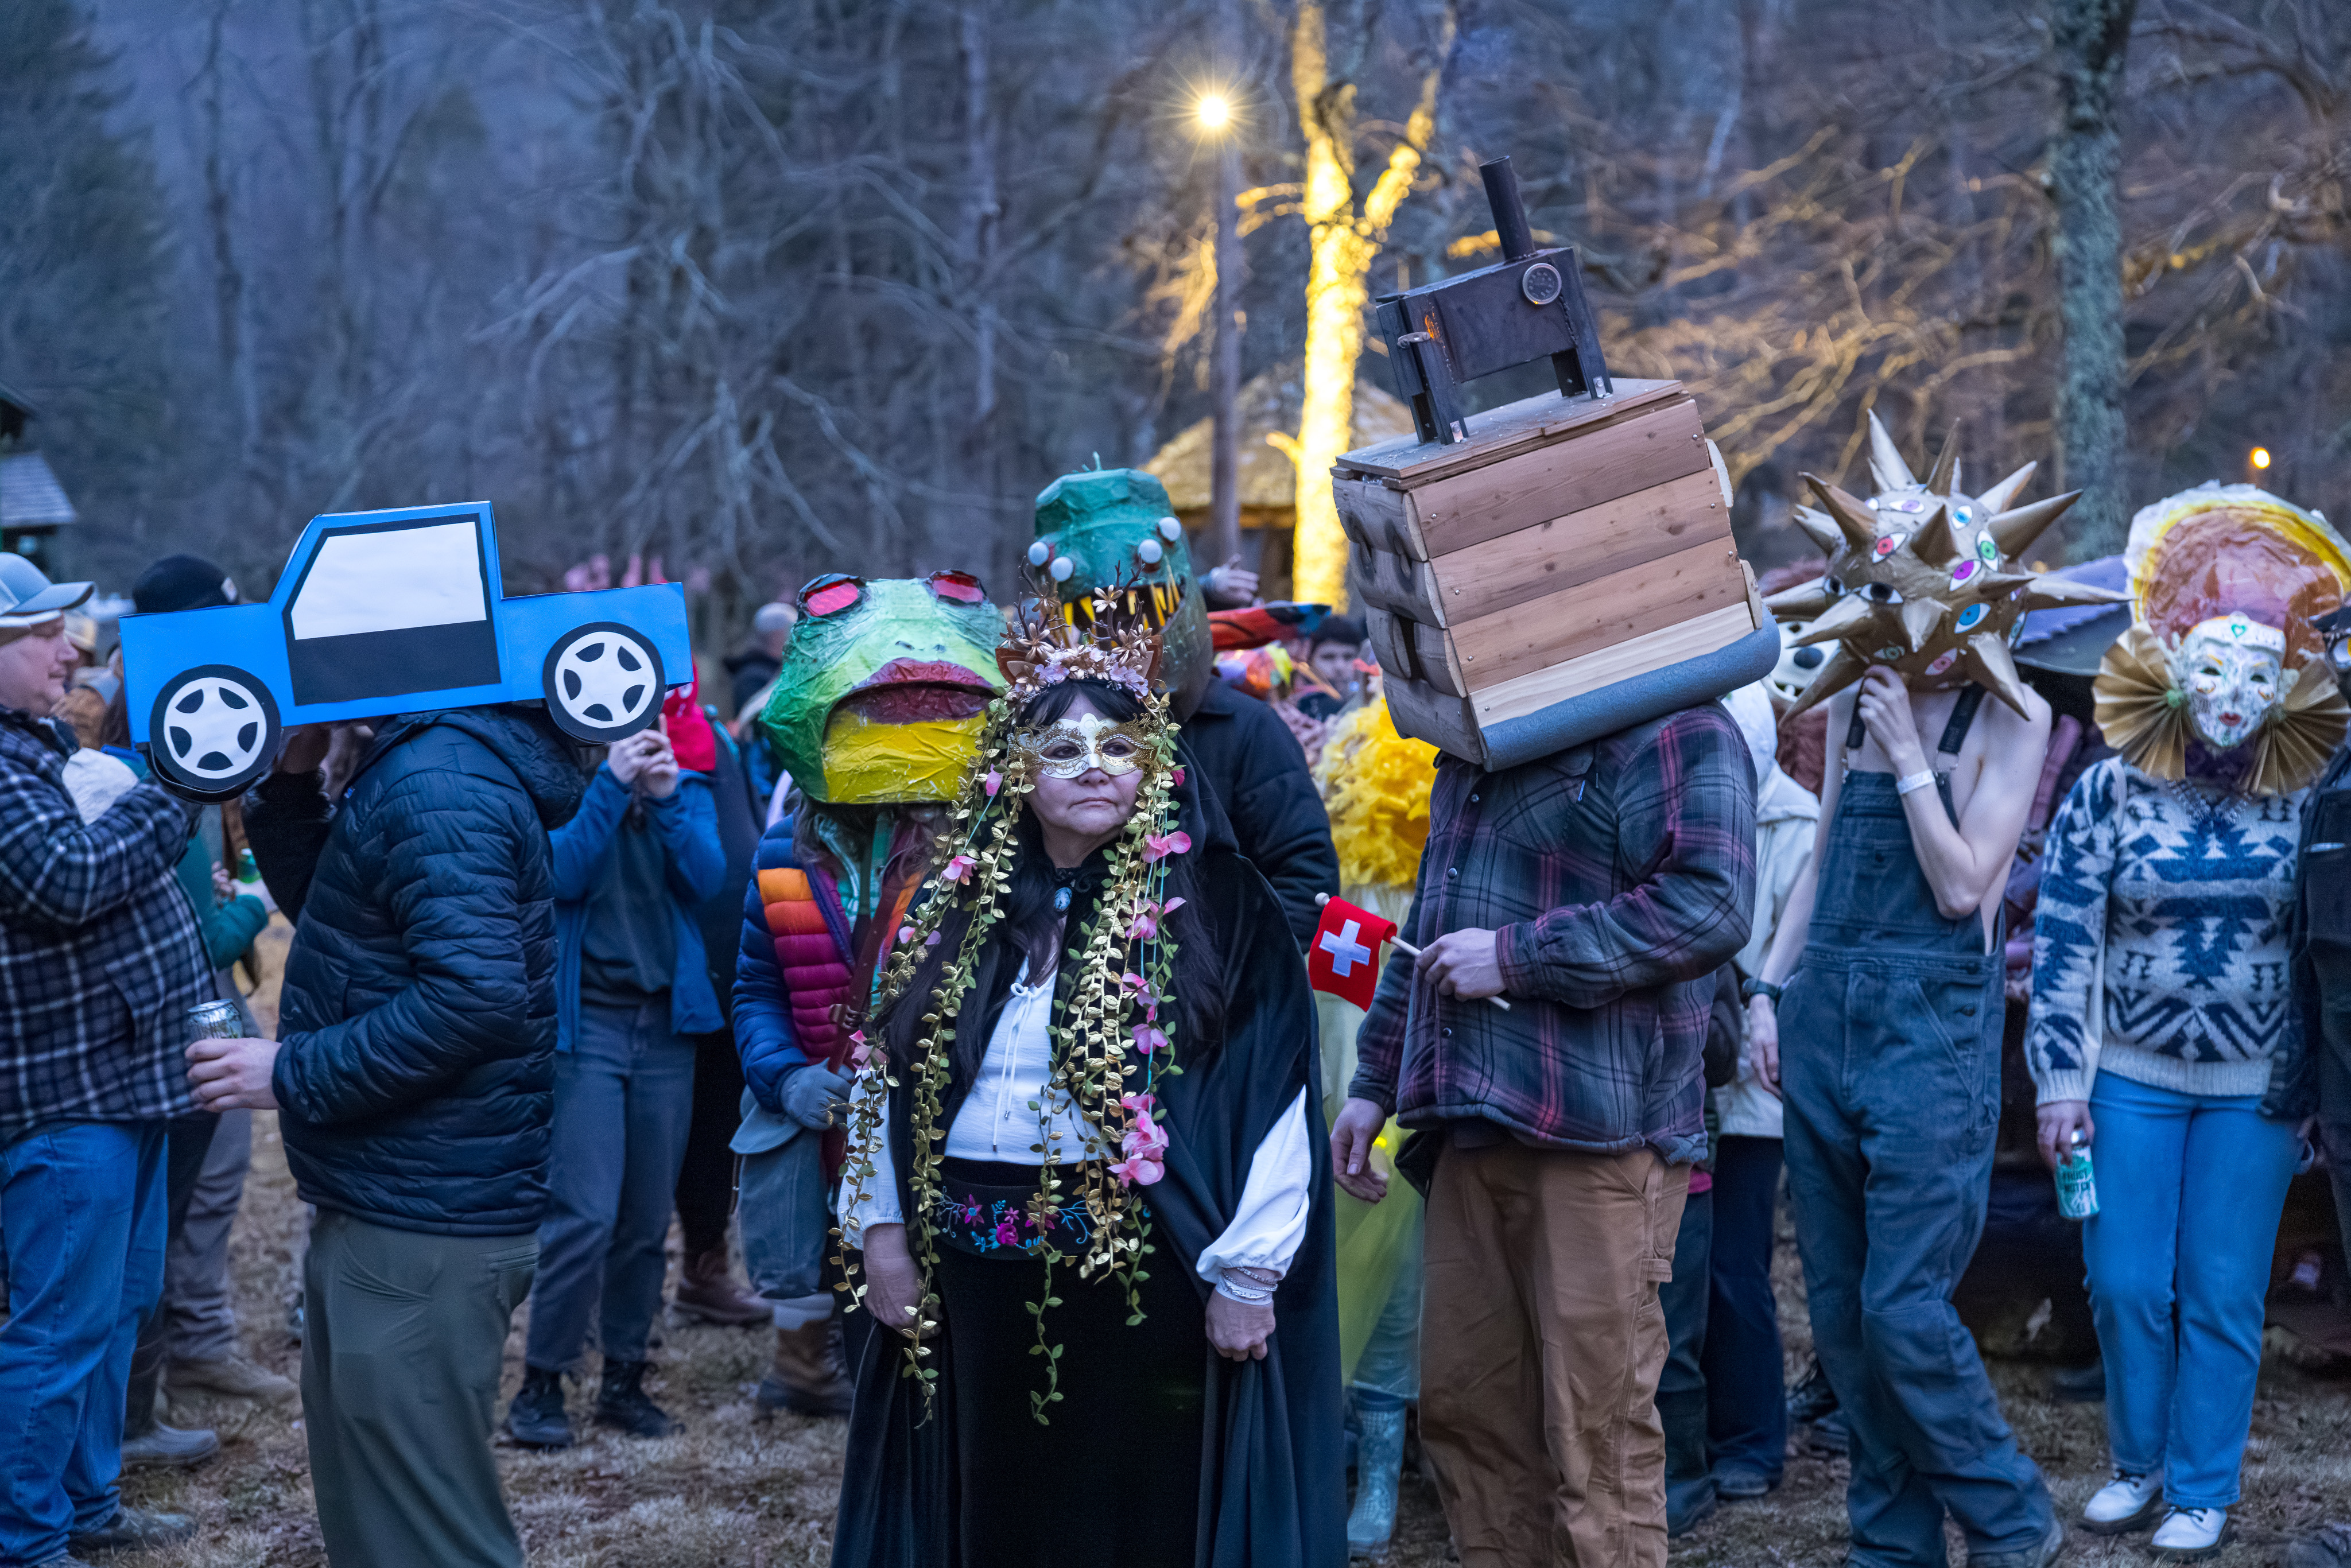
{"x":763,"y":287}
{"x":2089,"y":39}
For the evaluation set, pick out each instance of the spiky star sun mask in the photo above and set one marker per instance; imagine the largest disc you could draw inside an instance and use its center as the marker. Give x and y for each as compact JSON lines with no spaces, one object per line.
{"x":1917,"y":577}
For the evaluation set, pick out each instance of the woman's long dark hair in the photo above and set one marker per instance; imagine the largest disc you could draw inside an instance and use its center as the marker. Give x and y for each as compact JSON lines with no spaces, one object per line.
{"x":1029,"y":925}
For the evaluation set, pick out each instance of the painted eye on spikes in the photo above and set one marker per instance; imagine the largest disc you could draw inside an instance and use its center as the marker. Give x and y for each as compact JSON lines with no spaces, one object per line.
{"x":1039,"y":553}
{"x":959,"y":587}
{"x":831,"y":594}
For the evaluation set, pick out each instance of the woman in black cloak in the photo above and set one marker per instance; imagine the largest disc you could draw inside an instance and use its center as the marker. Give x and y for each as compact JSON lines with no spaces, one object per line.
{"x":1105,"y":1326}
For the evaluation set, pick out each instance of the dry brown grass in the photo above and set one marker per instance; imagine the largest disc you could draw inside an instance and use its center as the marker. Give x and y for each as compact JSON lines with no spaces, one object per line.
{"x":734,"y":1493}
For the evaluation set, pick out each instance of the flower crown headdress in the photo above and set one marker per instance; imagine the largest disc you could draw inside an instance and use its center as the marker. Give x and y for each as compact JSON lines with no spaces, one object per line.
{"x":1099,"y":637}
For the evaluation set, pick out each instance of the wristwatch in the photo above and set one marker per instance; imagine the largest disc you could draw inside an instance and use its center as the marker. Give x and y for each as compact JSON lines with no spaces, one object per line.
{"x":1751,"y":989}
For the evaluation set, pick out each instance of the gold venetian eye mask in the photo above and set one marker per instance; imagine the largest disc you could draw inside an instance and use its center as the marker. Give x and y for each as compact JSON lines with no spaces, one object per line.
{"x":1070,"y":748}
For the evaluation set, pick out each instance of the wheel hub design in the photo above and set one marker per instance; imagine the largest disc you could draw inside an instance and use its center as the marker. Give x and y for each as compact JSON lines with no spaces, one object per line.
{"x":214,"y":727}
{"x":602,"y":679}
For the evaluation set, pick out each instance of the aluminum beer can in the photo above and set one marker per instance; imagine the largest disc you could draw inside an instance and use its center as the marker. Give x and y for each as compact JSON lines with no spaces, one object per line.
{"x":215,"y":1021}
{"x":2077,"y":1182}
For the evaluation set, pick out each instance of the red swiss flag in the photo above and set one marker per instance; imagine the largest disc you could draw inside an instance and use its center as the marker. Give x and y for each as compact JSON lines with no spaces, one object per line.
{"x":1344,"y":959}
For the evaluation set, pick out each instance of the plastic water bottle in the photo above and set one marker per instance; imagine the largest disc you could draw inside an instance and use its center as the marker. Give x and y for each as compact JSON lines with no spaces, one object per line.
{"x":2077,"y":1183}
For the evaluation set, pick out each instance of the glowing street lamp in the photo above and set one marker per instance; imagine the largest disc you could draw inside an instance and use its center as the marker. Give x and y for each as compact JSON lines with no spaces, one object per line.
{"x":1214,"y":115}
{"x":2260,"y":457}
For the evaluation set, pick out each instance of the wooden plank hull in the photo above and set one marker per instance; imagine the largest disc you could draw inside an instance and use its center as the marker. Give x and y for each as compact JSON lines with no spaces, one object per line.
{"x":1571,"y":556}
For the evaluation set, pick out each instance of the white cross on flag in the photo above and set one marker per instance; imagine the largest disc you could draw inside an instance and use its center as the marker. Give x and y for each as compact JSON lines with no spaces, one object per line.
{"x":1344,"y":957}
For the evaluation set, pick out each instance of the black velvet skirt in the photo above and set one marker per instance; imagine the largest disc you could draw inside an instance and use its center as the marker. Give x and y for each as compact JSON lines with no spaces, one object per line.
{"x":1112,"y":1478}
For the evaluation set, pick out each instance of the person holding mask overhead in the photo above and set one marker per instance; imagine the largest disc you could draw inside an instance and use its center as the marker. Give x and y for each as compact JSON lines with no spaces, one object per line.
{"x":632,"y":985}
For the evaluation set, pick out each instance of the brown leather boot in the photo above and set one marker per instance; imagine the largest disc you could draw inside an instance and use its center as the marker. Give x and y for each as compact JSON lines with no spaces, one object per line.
{"x":810,"y":1374}
{"x":706,"y":1290}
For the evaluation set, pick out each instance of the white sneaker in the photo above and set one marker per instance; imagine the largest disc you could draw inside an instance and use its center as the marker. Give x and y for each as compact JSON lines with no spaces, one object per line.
{"x":2124,"y":1503}
{"x":2191,"y":1532}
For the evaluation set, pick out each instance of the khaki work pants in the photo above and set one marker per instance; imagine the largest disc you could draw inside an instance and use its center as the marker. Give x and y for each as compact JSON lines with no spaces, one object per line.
{"x":1542,"y":1339}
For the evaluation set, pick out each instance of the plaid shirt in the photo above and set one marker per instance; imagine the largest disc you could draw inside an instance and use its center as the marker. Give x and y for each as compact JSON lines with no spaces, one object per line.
{"x":100,"y":958}
{"x":1616,"y":877}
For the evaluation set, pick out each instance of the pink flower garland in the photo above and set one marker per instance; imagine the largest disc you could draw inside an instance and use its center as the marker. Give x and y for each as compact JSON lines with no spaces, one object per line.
{"x":1144,"y":1145}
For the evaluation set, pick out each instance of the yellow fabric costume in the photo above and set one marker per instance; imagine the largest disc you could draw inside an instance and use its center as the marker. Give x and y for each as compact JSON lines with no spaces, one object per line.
{"x":1375,"y":783}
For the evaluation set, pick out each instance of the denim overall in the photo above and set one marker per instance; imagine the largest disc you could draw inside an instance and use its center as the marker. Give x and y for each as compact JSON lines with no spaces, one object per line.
{"x":1890,"y":1038}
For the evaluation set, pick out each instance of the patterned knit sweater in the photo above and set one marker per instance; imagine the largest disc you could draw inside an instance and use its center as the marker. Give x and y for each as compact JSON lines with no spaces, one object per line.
{"x":2159,"y":948}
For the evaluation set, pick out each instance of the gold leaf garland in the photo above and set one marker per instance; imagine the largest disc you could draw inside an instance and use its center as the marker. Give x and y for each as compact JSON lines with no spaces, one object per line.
{"x":1095,"y":1012}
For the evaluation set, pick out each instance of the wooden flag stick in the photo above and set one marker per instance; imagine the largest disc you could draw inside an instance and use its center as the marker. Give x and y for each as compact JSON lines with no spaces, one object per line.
{"x":1409,"y":951}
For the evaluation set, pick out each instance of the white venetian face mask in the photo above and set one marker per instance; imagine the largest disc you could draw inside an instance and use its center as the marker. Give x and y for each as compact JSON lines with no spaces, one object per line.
{"x":2232,"y":671}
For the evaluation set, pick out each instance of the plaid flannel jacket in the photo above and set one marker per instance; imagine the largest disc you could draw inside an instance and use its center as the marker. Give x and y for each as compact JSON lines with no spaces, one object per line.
{"x":100,"y":956}
{"x":1616,"y":876}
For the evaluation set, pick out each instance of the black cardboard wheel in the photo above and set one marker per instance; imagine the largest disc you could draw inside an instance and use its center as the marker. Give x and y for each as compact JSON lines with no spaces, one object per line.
{"x":602,"y":682}
{"x":213,"y":731}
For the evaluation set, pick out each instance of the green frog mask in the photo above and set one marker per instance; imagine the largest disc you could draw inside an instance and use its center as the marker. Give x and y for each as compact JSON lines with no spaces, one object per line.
{"x":884,"y":687}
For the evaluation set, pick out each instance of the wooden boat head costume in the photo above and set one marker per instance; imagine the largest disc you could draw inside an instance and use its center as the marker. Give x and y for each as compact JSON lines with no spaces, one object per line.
{"x":2220,"y":671}
{"x":1919,"y":577}
{"x":1181,"y":1029}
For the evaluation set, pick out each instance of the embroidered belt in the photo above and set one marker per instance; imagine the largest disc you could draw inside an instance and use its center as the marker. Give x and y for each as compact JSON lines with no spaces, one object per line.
{"x":991,"y":1218}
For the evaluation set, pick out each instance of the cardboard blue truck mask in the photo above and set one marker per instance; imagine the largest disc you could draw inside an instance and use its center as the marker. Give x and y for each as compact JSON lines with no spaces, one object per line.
{"x":391,"y":612}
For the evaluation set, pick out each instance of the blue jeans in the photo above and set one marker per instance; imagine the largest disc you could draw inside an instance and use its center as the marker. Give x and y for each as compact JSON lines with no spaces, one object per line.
{"x":1746,"y":1392}
{"x":82,"y":1205}
{"x":2189,"y":1191}
{"x":623,"y":1103}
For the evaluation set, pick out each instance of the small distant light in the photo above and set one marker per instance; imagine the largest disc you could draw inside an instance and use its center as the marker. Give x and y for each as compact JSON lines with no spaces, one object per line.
{"x":2260,"y":456}
{"x":1214,"y":111}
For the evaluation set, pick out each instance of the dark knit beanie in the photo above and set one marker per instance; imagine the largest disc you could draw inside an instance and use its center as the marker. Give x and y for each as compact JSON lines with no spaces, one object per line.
{"x":179,"y":582}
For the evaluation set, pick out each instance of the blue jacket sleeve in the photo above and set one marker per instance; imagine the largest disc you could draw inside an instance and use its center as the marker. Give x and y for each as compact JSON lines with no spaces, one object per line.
{"x":688,"y":824}
{"x":580,"y":844}
{"x":764,"y":1037}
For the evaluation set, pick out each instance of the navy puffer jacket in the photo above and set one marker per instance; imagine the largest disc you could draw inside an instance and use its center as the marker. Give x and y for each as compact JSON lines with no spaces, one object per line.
{"x":418,"y":1016}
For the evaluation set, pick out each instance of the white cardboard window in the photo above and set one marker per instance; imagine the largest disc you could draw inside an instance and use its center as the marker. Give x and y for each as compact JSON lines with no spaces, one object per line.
{"x":392,"y":581}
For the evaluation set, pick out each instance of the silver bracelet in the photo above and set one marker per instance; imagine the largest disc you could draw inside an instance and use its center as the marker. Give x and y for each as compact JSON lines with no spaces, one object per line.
{"x":1922,"y":779}
{"x":1247,"y":1298}
{"x":1266,"y":1278}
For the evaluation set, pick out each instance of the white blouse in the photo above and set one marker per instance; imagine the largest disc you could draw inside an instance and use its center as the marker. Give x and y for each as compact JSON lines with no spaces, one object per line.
{"x":998,"y":1121}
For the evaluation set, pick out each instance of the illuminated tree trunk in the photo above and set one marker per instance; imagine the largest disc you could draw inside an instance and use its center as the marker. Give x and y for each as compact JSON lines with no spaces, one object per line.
{"x":1345,"y":240}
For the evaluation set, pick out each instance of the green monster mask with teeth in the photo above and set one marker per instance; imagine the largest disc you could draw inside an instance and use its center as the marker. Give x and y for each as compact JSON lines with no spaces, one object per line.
{"x":1104,"y":528}
{"x":884,"y":687}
